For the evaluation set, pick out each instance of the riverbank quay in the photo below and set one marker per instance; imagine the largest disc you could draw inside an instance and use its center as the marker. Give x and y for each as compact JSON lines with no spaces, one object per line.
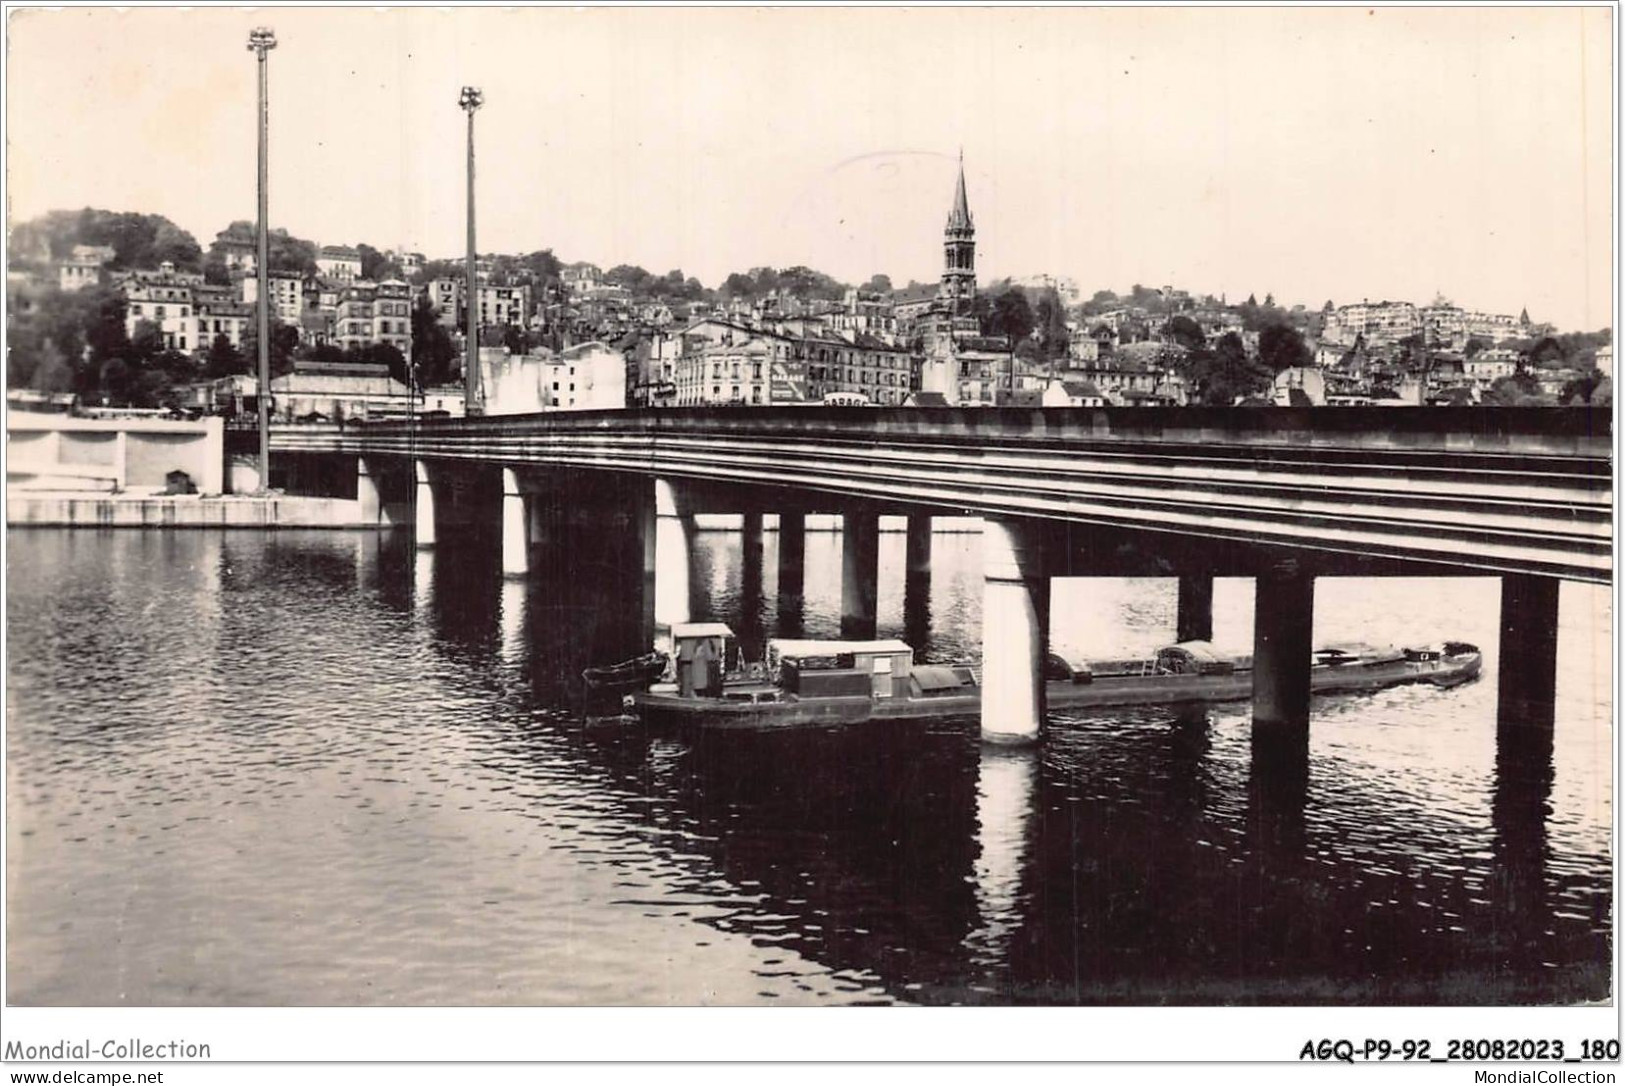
{"x":64,"y":509}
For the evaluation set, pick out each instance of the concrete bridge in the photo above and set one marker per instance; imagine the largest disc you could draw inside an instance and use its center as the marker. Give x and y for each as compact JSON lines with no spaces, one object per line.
{"x":1281,"y":495}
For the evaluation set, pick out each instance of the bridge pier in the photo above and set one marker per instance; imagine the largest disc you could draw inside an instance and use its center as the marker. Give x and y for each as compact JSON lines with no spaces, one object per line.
{"x":917,"y":582}
{"x":674,"y":538}
{"x":1524,"y":772}
{"x":1283,"y":649}
{"x":1527,"y":685}
{"x":918,"y":547}
{"x":1195,"y":619}
{"x":860,"y":573}
{"x":367,"y":494}
{"x":516,"y":524}
{"x":646,"y":524}
{"x":752,"y":635}
{"x":423,"y":509}
{"x":792,"y":573}
{"x":1015,"y":631}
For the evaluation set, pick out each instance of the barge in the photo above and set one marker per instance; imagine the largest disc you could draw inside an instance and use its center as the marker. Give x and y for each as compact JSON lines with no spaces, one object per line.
{"x":805,"y":682}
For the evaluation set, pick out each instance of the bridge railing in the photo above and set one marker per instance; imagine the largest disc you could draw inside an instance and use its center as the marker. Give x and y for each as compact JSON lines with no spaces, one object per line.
{"x":1553,"y":431}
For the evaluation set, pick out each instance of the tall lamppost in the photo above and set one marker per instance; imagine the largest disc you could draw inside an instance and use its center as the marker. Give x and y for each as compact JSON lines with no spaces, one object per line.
{"x":262,"y":40}
{"x":471,"y":99}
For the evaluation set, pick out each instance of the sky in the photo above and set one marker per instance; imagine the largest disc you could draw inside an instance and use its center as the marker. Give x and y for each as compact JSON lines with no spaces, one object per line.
{"x":1316,"y":154}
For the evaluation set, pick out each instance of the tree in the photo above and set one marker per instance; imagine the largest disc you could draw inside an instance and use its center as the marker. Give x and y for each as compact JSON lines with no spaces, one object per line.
{"x":103,"y":308}
{"x":517,"y":339}
{"x":223,"y":359}
{"x":1519,"y":390}
{"x":284,"y":342}
{"x":1186,"y":332}
{"x":1547,"y":351}
{"x":375,"y":265}
{"x":1049,"y":318}
{"x":56,"y":334}
{"x":52,"y":372}
{"x":878,"y":283}
{"x":738,"y":285}
{"x":146,"y":342}
{"x":803,"y":282}
{"x":670,"y":285}
{"x":1580,"y":388}
{"x":441,"y":269}
{"x":1281,"y":347}
{"x":291,"y":254}
{"x":542,"y":266}
{"x":432,"y":349}
{"x":1223,"y":374}
{"x":1010,"y":316}
{"x":137,"y":240}
{"x":1475,"y":345}
{"x":215,"y":270}
{"x":383,"y":354}
{"x":634,"y":278}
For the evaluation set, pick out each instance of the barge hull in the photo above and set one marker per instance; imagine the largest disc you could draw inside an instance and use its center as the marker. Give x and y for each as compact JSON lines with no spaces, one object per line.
{"x":1111,"y":692}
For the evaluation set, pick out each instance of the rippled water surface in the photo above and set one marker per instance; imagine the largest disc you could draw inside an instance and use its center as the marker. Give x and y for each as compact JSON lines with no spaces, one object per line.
{"x":325,"y":769}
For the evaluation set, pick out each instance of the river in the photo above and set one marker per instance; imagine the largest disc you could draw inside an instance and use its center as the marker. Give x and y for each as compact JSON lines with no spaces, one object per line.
{"x":323,"y":768}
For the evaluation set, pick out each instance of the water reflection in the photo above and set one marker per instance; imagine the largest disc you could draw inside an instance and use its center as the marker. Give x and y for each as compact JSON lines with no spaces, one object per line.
{"x":1005,"y":786}
{"x":371,"y":782}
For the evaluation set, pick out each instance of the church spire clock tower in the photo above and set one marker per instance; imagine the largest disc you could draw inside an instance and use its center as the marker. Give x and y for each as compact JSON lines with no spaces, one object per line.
{"x":959,"y":248}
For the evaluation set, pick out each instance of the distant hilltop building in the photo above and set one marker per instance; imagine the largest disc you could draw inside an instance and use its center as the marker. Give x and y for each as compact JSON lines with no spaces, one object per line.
{"x":1065,"y":287}
{"x":84,"y":267}
{"x":338,"y":262}
{"x":1445,"y":325}
{"x":239,"y":248}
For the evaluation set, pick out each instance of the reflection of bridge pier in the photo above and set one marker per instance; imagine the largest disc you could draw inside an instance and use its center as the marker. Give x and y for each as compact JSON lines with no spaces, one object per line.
{"x":1006,"y":787}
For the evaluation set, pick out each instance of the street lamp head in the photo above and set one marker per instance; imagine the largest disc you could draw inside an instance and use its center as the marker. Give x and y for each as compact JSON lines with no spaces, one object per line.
{"x":261,"y":39}
{"x":471,"y":99}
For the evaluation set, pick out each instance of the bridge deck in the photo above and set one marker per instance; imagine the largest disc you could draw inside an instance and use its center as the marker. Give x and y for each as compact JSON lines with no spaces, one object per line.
{"x":1503,"y":490}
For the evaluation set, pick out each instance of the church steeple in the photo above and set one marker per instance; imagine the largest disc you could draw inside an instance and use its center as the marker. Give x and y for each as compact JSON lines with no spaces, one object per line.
{"x":959,"y":218}
{"x":959,"y":247}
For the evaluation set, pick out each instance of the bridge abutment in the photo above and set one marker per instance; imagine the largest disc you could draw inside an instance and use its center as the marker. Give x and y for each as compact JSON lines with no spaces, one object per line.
{"x":860,"y":573}
{"x":1015,"y":631}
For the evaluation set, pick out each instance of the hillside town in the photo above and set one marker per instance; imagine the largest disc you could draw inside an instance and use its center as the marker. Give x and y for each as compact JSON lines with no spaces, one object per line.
{"x":116,"y":311}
